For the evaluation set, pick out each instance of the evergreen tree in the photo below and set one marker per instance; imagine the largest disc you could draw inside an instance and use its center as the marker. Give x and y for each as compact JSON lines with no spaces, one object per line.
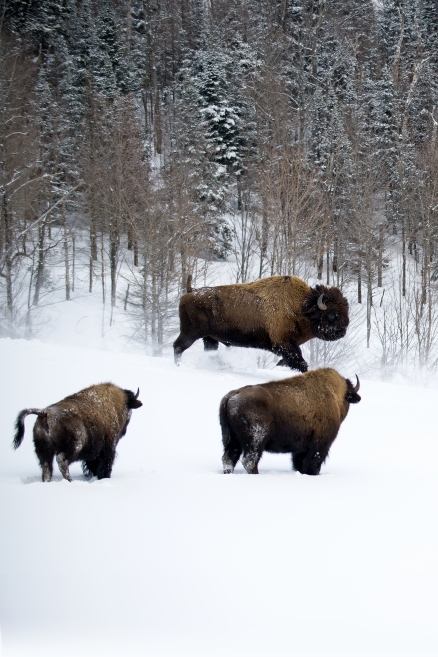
{"x":220,"y":118}
{"x":39,"y":22}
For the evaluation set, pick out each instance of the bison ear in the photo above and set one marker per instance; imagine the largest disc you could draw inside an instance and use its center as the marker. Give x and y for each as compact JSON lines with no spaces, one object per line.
{"x":136,"y":403}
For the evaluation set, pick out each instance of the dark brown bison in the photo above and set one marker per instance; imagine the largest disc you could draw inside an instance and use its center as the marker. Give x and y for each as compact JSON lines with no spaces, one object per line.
{"x":277,"y":314}
{"x":300,"y":415}
{"x":83,"y":427}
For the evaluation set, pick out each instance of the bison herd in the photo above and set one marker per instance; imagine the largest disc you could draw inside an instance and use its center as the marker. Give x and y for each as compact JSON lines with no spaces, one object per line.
{"x":299,"y":415}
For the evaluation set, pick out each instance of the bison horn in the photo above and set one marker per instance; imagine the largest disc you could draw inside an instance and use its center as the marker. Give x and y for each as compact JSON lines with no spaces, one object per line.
{"x":321,"y":304}
{"x":357,"y":386}
{"x":137,"y":393}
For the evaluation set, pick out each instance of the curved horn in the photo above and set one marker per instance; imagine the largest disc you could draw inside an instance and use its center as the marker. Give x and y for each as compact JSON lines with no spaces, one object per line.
{"x":321,"y":304}
{"x":137,"y":393}
{"x":357,"y":386}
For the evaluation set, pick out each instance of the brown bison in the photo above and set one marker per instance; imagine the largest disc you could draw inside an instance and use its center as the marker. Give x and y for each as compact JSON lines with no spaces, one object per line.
{"x":277,"y":314}
{"x":300,"y":415}
{"x":83,"y":427}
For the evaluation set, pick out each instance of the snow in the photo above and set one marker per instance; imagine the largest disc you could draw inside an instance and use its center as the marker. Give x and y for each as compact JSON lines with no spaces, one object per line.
{"x":171,"y":557}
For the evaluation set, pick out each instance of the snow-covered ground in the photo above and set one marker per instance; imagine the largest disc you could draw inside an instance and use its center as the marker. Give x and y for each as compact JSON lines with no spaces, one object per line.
{"x":170,"y":556}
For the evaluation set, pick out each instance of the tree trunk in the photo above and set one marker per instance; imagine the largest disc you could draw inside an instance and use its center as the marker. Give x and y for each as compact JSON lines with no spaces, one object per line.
{"x":8,"y":268}
{"x":41,"y":262}
{"x":359,"y":284}
{"x":102,"y":259}
{"x":264,"y":237}
{"x":380,"y":258}
{"x":113,"y":270}
{"x":66,"y":260}
{"x":403,"y":258}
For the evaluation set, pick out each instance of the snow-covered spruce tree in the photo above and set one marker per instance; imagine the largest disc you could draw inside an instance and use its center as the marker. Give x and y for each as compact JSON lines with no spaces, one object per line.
{"x":195,"y":184}
{"x":220,"y":119}
{"x":99,"y":49}
{"x":403,"y":42}
{"x":38,"y":22}
{"x":137,"y":46}
{"x":355,"y":22}
{"x":215,"y":131}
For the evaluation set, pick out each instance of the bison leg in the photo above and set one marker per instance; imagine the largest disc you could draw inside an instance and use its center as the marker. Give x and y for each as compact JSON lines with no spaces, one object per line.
{"x":47,"y":471}
{"x":253,"y":449}
{"x":291,"y":356}
{"x":105,"y":462}
{"x":89,"y":468}
{"x":63,"y":465}
{"x":231,"y":455}
{"x":210,"y":344}
{"x":309,"y":462}
{"x":45,"y":457}
{"x":43,"y":449}
{"x":250,"y":460}
{"x":180,"y":345}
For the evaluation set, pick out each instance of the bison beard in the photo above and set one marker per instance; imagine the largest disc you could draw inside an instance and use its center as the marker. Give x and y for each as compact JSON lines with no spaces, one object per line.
{"x":83,"y":427}
{"x":299,"y":415}
{"x":277,"y":314}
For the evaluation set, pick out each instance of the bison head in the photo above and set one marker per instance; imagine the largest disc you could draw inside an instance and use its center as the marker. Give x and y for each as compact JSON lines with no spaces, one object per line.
{"x":327,"y":310}
{"x":132,"y":400}
{"x":352,"y":397}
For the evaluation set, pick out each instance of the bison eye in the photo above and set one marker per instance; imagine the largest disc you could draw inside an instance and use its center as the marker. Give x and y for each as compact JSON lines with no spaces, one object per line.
{"x":331,"y":317}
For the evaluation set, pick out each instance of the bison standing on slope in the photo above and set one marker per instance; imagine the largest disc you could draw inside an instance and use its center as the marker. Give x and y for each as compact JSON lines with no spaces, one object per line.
{"x":83,"y":427}
{"x":277,"y":314}
{"x":300,"y":415}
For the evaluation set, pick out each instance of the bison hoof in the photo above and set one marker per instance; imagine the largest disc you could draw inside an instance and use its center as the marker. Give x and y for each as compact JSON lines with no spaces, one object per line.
{"x":281,"y":363}
{"x":227,"y":464}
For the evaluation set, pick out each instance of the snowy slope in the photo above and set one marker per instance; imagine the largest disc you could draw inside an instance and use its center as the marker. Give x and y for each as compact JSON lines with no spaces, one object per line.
{"x":172,"y":557}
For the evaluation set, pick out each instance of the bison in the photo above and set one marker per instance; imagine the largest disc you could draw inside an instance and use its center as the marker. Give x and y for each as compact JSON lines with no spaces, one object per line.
{"x":83,"y":427}
{"x":300,"y":415}
{"x":277,"y":314}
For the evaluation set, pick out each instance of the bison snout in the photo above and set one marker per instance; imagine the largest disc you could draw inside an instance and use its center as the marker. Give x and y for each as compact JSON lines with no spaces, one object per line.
{"x":331,"y":334}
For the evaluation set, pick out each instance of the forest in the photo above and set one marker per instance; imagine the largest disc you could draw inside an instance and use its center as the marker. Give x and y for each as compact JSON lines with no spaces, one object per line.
{"x":145,"y":140}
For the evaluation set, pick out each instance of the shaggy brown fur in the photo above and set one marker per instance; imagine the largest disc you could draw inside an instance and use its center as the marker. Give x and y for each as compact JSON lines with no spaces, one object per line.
{"x":300,"y":415}
{"x":83,"y":427}
{"x":277,"y":314}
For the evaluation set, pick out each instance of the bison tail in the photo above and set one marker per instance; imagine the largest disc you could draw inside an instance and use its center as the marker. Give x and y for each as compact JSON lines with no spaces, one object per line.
{"x":19,"y":425}
{"x":189,"y":283}
{"x":223,"y":419}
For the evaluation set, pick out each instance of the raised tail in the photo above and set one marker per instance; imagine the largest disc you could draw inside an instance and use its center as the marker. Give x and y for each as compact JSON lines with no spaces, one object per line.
{"x":19,"y":424}
{"x":189,"y":283}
